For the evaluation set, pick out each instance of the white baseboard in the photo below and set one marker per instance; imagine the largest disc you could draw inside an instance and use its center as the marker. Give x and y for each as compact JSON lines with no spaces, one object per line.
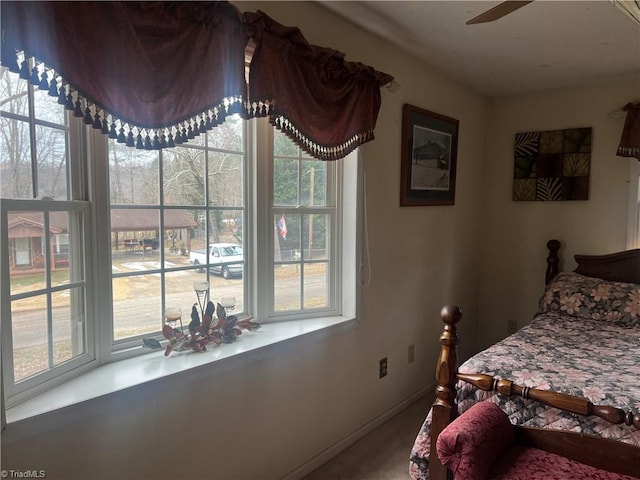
{"x":346,"y":442}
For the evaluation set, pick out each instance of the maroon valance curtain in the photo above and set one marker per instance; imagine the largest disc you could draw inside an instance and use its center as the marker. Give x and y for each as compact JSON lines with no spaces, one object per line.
{"x":630,"y":139}
{"x":156,"y":74}
{"x":325,"y":104}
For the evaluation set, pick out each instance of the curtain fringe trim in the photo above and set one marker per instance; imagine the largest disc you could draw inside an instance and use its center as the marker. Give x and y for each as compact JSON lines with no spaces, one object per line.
{"x":321,"y":152}
{"x":167,"y":136}
{"x":629,"y":152}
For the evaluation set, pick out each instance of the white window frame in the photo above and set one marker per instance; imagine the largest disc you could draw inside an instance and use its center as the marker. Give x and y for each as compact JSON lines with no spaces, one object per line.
{"x":29,"y":387}
{"x":263,"y":164}
{"x":15,"y":393}
{"x":92,"y":172}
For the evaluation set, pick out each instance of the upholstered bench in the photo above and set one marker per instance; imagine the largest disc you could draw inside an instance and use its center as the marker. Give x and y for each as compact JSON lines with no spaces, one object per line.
{"x":481,"y":445}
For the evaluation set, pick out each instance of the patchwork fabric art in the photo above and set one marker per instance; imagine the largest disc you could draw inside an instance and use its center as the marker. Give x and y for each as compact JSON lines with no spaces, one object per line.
{"x":552,"y":165}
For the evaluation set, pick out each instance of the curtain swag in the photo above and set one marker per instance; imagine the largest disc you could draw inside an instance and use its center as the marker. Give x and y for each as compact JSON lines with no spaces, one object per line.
{"x":630,"y":139}
{"x":156,"y":74}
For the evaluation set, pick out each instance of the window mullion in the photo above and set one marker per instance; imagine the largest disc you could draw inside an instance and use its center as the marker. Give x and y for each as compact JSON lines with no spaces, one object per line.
{"x":32,"y":135}
{"x":163,"y":292}
{"x":6,"y":337}
{"x":99,"y":305}
{"x":47,"y":270}
{"x":262,"y":281}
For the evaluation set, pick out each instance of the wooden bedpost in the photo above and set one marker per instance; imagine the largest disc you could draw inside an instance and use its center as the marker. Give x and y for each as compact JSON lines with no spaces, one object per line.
{"x":444,"y":407}
{"x":552,"y":261}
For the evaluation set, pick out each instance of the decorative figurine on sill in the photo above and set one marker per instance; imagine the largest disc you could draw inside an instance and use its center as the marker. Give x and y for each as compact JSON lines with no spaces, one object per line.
{"x":230,"y":327}
{"x":151,"y":343}
{"x":179,"y":341}
{"x":195,"y":319}
{"x":225,"y":329}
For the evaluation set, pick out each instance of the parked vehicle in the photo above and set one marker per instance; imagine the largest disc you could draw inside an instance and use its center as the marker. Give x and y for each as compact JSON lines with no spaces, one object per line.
{"x":225,"y":259}
{"x":153,"y":243}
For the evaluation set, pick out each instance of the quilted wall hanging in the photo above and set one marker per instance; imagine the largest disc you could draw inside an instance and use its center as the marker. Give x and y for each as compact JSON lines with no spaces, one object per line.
{"x":552,"y":165}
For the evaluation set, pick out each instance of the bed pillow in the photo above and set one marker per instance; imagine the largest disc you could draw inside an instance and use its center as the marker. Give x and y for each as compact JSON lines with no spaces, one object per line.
{"x":570,"y":293}
{"x":470,"y":444}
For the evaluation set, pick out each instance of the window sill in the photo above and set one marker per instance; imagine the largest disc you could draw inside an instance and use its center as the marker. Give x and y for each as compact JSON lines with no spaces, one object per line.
{"x":118,"y":376}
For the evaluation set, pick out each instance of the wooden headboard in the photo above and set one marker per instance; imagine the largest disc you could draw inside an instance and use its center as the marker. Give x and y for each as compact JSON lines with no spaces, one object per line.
{"x":622,"y":267}
{"x":618,"y":267}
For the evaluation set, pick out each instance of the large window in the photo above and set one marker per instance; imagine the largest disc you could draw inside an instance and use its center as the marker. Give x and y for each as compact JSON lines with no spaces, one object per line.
{"x":45,"y":327}
{"x":304,"y":215}
{"x":179,"y":216}
{"x":100,"y":241}
{"x":168,"y":207}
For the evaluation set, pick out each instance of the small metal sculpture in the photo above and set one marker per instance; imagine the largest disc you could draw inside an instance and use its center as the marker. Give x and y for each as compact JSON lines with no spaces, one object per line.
{"x":225,"y":329}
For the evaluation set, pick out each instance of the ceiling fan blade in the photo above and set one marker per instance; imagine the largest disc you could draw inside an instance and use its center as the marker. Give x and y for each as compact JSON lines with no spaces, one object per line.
{"x":498,"y":11}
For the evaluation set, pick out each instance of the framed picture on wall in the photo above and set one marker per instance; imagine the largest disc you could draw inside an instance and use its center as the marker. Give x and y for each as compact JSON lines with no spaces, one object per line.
{"x":429,"y":157}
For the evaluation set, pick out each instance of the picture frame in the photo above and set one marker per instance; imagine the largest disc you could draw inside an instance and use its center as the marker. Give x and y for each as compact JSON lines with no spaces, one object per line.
{"x":429,"y":158}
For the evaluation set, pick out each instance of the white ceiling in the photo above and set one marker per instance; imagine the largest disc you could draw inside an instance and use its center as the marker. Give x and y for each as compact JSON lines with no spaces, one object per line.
{"x":545,"y":44}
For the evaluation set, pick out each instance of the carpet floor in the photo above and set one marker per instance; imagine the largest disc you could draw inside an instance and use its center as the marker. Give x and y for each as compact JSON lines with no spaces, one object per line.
{"x":382,"y":454}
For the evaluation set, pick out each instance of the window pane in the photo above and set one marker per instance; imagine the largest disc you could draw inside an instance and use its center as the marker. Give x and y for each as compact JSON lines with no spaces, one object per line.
{"x":26,"y":251}
{"x":183,"y":176}
{"x":225,"y":179}
{"x":316,"y":285}
{"x":47,"y":108}
{"x":134,"y":239}
{"x":286,"y":287}
{"x":137,"y":306}
{"x":30,"y":337}
{"x":315,"y":236}
{"x":15,"y":160}
{"x":225,"y":238}
{"x":13,"y":91}
{"x":294,"y":276}
{"x":178,"y":225}
{"x":285,"y":182}
{"x":198,"y":138}
{"x":229,"y":135}
{"x":314,"y":183}
{"x":133,"y":175}
{"x":51,"y":149}
{"x":283,"y":146}
{"x":15,"y":148}
{"x":197,"y":235}
{"x":67,"y":261}
{"x":180,"y":293}
{"x":69,"y":324}
{"x":287,"y":246}
{"x":225,"y":226}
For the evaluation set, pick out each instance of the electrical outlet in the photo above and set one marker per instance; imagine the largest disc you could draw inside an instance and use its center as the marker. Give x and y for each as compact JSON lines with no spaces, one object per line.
{"x":512,"y":326}
{"x":383,"y":367}
{"x":411,"y":354}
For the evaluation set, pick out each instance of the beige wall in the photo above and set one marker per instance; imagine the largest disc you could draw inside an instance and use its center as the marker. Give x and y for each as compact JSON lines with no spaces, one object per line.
{"x":515,"y":233}
{"x":486,"y":254}
{"x":269,"y":419}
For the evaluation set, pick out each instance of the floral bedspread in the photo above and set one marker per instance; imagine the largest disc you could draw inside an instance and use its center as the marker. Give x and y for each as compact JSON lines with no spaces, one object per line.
{"x":595,"y":359}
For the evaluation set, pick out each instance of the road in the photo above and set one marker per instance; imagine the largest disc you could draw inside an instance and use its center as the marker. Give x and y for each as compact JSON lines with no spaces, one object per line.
{"x":143,"y":313}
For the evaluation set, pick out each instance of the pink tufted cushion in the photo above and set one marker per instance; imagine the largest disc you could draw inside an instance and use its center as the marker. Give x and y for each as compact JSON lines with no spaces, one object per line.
{"x":470,"y":444}
{"x":522,"y":463}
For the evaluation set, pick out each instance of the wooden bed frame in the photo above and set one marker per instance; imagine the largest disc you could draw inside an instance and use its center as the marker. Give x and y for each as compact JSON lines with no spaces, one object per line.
{"x":598,"y":452}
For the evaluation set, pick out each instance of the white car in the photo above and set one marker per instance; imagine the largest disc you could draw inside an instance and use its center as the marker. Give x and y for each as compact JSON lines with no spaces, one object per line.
{"x":225,"y":259}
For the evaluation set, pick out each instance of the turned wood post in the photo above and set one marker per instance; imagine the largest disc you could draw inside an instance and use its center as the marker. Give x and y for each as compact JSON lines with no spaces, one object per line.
{"x":444,"y":407}
{"x":552,"y":260}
